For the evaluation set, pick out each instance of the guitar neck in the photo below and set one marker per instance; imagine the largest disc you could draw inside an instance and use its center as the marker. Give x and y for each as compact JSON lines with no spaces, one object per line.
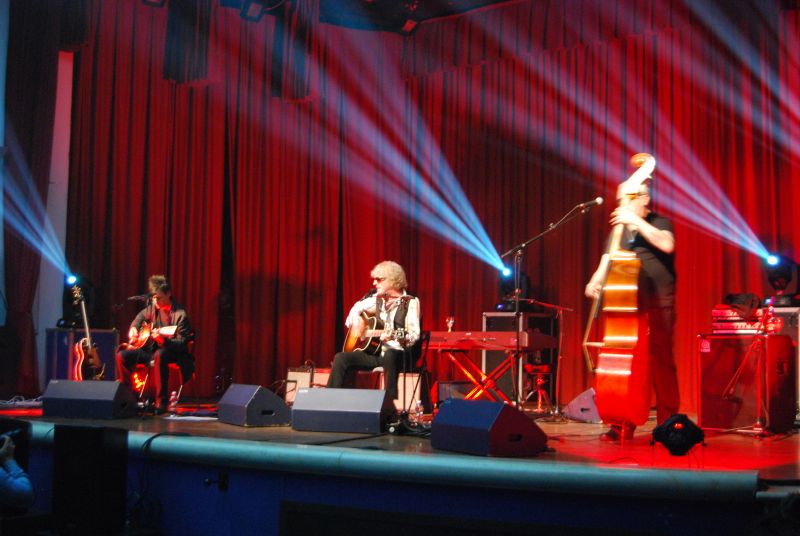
{"x":86,"y":324}
{"x":378,"y":332}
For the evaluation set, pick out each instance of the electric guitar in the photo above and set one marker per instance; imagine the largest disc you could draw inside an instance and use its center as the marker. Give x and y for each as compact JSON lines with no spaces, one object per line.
{"x":369,"y":340}
{"x":87,"y":363}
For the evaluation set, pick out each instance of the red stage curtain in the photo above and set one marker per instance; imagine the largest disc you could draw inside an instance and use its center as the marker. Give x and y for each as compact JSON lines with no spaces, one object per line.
{"x":282,"y":201}
{"x":30,"y":98}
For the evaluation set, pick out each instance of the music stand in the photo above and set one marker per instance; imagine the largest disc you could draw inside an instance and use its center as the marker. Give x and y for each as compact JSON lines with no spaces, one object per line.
{"x":517,"y":251}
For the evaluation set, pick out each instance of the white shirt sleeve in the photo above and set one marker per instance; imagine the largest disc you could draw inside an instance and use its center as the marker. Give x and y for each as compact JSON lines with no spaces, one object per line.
{"x":359,"y":307}
{"x":412,"y":322}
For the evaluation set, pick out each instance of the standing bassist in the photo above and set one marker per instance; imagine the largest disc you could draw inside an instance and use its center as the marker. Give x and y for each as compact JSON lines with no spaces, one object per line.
{"x":650,"y":236}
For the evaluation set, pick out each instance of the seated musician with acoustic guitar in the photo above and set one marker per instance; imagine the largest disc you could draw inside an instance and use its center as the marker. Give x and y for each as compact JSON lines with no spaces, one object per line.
{"x":384,"y":326}
{"x":159,"y":335}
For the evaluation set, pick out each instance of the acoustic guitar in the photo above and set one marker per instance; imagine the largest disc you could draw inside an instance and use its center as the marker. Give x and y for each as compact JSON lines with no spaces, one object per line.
{"x":87,"y":363}
{"x":146,"y":333}
{"x":369,"y":340}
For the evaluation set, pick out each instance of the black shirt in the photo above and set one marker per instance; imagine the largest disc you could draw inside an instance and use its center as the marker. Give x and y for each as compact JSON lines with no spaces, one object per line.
{"x":657,"y":276}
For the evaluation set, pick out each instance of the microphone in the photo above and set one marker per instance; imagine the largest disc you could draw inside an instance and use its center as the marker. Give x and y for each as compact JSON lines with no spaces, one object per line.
{"x":589,"y":204}
{"x":370,"y":292}
{"x":139,"y":297}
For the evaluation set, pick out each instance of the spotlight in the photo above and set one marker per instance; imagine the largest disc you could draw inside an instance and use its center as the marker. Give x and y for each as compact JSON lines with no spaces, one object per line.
{"x":780,"y":270}
{"x":506,"y":288}
{"x":71,"y":279}
{"x":679,"y":434}
{"x":253,"y":10}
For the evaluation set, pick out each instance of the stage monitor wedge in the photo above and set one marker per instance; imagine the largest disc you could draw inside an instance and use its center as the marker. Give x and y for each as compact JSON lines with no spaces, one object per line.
{"x":88,"y":400}
{"x":363,"y":411}
{"x":485,"y":429}
{"x":252,"y":405}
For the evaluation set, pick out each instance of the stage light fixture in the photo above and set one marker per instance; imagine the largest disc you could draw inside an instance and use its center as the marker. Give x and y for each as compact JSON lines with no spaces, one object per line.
{"x":780,"y":272}
{"x":678,"y":434}
{"x":71,"y":279}
{"x":253,"y":10}
{"x":507,"y":289}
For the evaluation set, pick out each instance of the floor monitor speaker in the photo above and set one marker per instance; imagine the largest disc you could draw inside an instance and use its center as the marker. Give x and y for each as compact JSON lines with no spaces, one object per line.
{"x":342,"y":410}
{"x":88,"y":400}
{"x":583,"y":407}
{"x":252,"y":405}
{"x":486,"y":429}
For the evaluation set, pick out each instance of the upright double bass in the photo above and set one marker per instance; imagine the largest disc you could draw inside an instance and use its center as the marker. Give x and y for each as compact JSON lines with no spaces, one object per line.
{"x":622,"y":368}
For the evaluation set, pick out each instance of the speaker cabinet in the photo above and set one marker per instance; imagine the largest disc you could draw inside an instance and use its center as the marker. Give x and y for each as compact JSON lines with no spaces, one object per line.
{"x":729,"y":401}
{"x":789,"y":324}
{"x":485,"y":429}
{"x":299,"y":378}
{"x":252,"y":405}
{"x":534,"y":322}
{"x":88,"y":400}
{"x":90,"y":470}
{"x":341,"y":410}
{"x":60,"y":351}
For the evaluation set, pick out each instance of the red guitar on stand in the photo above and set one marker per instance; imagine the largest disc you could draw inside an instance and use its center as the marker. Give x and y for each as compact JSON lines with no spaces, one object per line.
{"x":87,"y":361}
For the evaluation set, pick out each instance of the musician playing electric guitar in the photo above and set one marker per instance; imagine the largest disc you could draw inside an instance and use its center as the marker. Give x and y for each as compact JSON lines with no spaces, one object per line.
{"x":383,"y":328}
{"x":651,"y":237}
{"x":159,"y":335}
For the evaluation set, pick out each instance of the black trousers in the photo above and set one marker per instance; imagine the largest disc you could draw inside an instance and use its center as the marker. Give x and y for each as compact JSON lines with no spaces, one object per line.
{"x":662,"y":362}
{"x":345,"y":364}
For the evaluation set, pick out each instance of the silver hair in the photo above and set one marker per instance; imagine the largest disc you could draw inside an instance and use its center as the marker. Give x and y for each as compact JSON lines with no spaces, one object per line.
{"x":393,"y":272}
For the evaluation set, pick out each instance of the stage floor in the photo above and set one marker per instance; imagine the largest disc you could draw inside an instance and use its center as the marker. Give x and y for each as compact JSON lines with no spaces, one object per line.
{"x":776,"y":458}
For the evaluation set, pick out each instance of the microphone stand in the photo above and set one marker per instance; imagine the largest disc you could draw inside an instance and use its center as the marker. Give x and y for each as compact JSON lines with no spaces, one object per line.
{"x":517,"y":251}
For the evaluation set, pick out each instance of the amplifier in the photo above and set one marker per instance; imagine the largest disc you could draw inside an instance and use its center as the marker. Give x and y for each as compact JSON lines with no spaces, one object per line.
{"x":60,"y":351}
{"x":790,"y":326}
{"x":719,"y":314}
{"x":734,"y":370}
{"x":545,"y":323}
{"x":750,"y":327}
{"x":302,"y":378}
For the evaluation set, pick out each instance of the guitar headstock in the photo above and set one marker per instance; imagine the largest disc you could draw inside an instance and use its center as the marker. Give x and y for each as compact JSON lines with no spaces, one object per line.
{"x":77,"y":294}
